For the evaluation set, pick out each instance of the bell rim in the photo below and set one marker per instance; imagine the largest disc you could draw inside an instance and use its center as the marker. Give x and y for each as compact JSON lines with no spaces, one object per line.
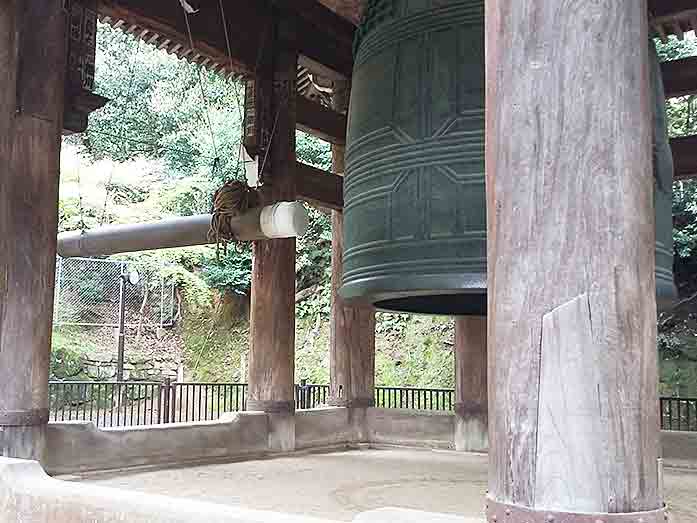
{"x":386,"y":293}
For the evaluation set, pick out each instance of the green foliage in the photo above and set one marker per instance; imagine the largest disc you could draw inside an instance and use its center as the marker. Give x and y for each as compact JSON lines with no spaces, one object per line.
{"x":197,"y":295}
{"x":231,"y":272}
{"x":157,"y":110}
{"x":68,"y":351}
{"x":318,"y":304}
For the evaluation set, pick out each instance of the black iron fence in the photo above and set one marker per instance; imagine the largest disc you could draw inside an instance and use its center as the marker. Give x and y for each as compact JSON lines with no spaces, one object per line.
{"x":679,"y":414}
{"x":413,"y":398}
{"x":128,"y":403}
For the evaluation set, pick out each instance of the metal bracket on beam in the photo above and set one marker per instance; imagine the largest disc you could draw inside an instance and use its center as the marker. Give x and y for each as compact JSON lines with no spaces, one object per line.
{"x":23,"y":418}
{"x":504,"y":513}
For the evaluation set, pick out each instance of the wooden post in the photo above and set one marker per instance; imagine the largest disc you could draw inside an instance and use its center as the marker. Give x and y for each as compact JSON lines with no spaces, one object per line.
{"x":272,"y":315}
{"x":470,"y":384}
{"x":32,"y":70}
{"x":572,"y":312}
{"x":352,"y":344}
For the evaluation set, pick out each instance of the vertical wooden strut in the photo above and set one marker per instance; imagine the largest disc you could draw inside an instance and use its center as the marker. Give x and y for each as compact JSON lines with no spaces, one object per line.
{"x":572,"y":311}
{"x":32,"y":69}
{"x":471,"y":384}
{"x":352,"y":343}
{"x":272,"y":350}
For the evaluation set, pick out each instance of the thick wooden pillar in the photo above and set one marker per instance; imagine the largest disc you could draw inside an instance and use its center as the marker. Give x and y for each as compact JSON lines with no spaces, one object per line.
{"x":32,"y":65}
{"x":471,"y":422}
{"x":272,"y":316}
{"x":352,"y":341}
{"x":572,"y":313}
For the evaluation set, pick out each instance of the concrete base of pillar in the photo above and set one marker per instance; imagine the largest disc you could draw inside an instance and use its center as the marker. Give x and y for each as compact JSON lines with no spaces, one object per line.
{"x":471,"y":434}
{"x":282,"y":432}
{"x":24,"y":442}
{"x":358,"y":419}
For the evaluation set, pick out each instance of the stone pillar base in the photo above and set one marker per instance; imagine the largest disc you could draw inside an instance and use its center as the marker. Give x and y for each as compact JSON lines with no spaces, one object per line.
{"x":471,"y":434}
{"x":281,"y":431}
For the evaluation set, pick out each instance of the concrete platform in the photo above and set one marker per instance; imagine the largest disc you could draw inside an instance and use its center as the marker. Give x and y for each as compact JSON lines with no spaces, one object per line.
{"x":341,"y":485}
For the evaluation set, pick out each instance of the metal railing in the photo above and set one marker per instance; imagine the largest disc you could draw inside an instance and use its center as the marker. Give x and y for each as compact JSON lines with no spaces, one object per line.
{"x":107,"y":404}
{"x":414,"y":398}
{"x":129,"y":403}
{"x":679,"y":414}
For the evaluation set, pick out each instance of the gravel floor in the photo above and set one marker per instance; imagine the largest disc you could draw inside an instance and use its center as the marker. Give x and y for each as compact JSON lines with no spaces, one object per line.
{"x":340,"y":485}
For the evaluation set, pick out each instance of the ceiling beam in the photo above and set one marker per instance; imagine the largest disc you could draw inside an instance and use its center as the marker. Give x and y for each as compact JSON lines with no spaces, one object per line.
{"x":670,"y":7}
{"x":680,"y":77}
{"x":685,"y":157}
{"x":321,"y":121}
{"x":249,"y":29}
{"x":319,"y":188}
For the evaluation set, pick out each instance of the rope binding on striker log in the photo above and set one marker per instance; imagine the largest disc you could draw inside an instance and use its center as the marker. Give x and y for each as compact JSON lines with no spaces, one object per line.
{"x":233,"y":199}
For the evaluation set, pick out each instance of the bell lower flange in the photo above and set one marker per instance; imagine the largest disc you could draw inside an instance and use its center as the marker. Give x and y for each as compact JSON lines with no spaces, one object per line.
{"x":504,"y":513}
{"x":438,"y":294}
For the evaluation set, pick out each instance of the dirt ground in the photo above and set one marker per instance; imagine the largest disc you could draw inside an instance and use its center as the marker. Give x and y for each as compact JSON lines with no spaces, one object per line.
{"x":339,"y":485}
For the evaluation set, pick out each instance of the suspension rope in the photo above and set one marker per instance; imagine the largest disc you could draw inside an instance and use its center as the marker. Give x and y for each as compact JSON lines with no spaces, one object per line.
{"x":204,"y":97}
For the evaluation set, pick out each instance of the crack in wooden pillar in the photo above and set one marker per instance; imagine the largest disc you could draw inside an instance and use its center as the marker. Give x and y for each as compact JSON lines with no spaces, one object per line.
{"x":272,"y":329}
{"x":471,"y":433}
{"x":352,"y":340}
{"x":573,"y":423}
{"x":32,"y":72}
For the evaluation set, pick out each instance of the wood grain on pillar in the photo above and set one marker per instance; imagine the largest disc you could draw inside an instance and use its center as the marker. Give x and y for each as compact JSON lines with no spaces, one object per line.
{"x":272,"y":351}
{"x":32,"y":69}
{"x":471,"y":384}
{"x":572,"y":312}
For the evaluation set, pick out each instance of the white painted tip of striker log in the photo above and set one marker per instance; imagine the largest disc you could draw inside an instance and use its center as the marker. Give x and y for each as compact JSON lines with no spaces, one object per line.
{"x":284,"y":220}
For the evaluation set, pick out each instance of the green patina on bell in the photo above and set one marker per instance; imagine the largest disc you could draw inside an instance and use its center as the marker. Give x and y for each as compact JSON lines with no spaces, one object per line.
{"x":666,"y":293}
{"x":414,"y":192}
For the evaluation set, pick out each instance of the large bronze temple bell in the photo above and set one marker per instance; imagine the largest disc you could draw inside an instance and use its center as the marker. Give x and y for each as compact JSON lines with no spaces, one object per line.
{"x":666,"y":293}
{"x":414,"y":194}
{"x":414,"y":191}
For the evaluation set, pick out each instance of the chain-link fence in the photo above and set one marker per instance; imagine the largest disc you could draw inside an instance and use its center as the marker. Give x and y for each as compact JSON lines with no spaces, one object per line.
{"x":88,"y":294}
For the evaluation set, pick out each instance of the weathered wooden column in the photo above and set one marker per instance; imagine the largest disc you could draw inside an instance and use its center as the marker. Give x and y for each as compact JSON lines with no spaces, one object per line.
{"x":572,"y":338}
{"x":471,"y":423}
{"x":32,"y":65}
{"x":352,"y":340}
{"x":272,"y":316}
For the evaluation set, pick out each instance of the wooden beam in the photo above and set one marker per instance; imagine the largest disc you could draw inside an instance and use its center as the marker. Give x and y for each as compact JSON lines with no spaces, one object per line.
{"x":325,"y":20}
{"x":318,"y":187}
{"x":685,"y":157}
{"x":321,"y":121}
{"x":249,"y":27}
{"x":670,"y":7}
{"x":680,"y":77}
{"x":573,"y":376}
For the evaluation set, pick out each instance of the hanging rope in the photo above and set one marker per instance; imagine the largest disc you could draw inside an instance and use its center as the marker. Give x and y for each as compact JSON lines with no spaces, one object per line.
{"x":230,"y":201}
{"x":204,"y":98}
